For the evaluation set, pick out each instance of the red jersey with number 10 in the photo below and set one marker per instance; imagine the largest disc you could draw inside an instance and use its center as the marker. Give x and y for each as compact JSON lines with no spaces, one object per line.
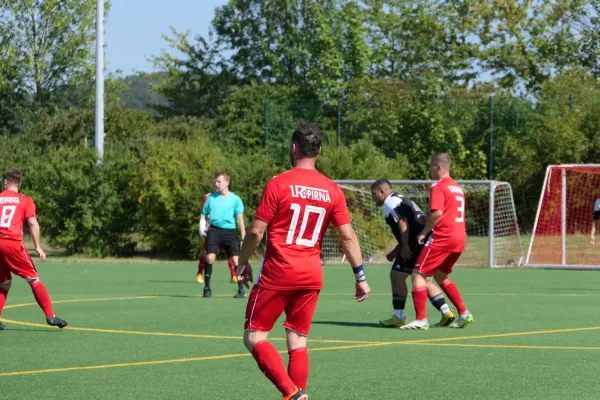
{"x":298,"y":205}
{"x":450,"y":232}
{"x":15,"y":209}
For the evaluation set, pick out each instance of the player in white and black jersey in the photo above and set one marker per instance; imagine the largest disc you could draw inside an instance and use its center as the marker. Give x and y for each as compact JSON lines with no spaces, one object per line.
{"x":406,"y":221}
{"x":595,"y":219}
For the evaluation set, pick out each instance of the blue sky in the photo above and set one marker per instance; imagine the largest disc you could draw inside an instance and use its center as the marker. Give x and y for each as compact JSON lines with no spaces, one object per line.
{"x":134,"y":29}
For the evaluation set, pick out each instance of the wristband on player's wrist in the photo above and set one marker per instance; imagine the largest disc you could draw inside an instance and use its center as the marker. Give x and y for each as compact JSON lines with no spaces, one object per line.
{"x":359,"y":273}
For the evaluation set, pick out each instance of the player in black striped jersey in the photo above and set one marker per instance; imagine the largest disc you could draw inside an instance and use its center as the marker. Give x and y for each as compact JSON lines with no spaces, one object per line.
{"x":406,"y":221}
{"x":595,"y":219}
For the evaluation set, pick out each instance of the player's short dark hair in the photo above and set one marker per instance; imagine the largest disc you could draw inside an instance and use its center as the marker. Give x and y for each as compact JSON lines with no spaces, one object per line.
{"x":380,"y":182}
{"x":442,"y":159}
{"x":308,"y":137}
{"x":12,"y":175}
{"x":223,"y":174}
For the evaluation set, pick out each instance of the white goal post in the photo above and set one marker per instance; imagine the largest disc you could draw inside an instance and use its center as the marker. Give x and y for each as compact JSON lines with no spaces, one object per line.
{"x":493,"y":237}
{"x":564,"y":218}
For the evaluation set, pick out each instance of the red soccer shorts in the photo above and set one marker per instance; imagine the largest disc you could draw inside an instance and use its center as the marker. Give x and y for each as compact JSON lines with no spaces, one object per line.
{"x":265,"y":306}
{"x":15,"y":258}
{"x":435,"y":258}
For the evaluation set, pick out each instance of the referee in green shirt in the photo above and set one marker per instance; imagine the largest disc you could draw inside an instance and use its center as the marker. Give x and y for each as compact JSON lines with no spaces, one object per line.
{"x":224,"y":209}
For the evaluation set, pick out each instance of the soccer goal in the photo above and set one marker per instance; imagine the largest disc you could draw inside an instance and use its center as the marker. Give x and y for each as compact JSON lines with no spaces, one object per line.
{"x":493,"y":237}
{"x":563,"y":221}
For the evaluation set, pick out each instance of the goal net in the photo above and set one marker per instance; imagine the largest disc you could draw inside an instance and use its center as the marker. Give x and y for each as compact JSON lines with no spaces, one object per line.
{"x":563,"y":222}
{"x":493,"y":237}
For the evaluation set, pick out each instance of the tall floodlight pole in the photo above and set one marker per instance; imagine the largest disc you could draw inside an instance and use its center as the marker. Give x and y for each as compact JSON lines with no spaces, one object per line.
{"x":99,"y":138}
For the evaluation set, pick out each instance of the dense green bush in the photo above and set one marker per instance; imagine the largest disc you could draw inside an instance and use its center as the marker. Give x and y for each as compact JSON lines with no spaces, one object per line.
{"x":147,"y":193}
{"x":82,"y":207}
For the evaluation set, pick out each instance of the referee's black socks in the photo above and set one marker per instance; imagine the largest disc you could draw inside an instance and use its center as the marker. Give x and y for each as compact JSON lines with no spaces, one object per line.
{"x":207,"y":274}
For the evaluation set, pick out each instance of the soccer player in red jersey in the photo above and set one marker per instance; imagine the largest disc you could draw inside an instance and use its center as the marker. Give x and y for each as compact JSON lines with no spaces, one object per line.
{"x":15,"y":209}
{"x":444,"y":246}
{"x":202,"y":262}
{"x":295,"y":210}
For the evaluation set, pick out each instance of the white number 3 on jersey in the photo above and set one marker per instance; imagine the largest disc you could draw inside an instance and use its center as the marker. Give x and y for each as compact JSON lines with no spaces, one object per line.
{"x":461,"y":209}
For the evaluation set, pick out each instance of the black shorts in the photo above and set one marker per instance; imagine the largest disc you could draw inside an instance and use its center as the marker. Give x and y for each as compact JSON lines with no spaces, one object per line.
{"x":225,"y":238}
{"x":596,"y":215}
{"x":406,"y":266}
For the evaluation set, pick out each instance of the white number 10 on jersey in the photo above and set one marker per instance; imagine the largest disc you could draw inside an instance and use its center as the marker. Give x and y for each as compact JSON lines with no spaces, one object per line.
{"x":319,"y":211}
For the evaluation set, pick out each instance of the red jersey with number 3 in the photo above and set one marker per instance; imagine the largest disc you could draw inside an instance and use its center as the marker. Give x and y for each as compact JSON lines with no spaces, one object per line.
{"x":298,"y":205}
{"x":15,"y":209}
{"x":450,"y":232}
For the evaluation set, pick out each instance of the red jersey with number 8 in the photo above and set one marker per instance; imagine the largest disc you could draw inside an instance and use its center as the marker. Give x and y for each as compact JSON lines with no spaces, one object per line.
{"x":450,"y":232}
{"x":298,"y":205}
{"x":15,"y":209}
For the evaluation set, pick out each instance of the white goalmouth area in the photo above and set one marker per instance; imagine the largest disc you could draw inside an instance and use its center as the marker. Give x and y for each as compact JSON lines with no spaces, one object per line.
{"x":493,"y":237}
{"x":563,"y":221}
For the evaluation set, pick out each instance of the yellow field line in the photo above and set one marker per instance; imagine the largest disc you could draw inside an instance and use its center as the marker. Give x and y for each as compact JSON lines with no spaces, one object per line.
{"x":130,"y":332}
{"x":84,"y":301}
{"x":501,"y":335}
{"x":132,"y":364}
{"x":158,"y":362}
{"x":237,"y":355}
{"x":185,"y":335}
{"x":507,"y":346}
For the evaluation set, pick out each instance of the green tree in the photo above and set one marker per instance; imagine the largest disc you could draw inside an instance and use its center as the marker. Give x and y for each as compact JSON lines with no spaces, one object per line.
{"x":13,"y":97}
{"x":52,"y":43}
{"x":399,"y":122}
{"x":361,"y":160}
{"x":524,"y":42}
{"x":315,"y":45}
{"x":194,"y":81}
{"x":419,"y":41}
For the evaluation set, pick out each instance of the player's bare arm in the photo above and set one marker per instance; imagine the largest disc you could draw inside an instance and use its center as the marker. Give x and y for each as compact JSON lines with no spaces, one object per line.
{"x":432,"y":221}
{"x":593,"y":233}
{"x":251,"y":241}
{"x":241,"y":225}
{"x":405,"y":252}
{"x":34,"y":230}
{"x":351,"y":249}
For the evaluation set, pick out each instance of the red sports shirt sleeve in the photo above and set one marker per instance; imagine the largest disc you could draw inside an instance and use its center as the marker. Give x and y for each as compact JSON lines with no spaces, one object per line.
{"x":339,"y":215}
{"x":29,"y":210}
{"x":436,"y":201}
{"x":268,"y":203}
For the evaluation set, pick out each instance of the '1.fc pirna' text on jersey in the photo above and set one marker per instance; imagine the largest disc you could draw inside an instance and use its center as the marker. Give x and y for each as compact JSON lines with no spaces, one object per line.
{"x":299,"y":205}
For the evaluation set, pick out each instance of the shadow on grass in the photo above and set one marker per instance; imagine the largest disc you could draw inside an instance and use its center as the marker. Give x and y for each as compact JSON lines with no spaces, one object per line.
{"x":346,"y":323}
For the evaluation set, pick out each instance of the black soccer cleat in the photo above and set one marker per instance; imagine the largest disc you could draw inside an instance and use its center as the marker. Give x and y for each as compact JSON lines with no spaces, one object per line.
{"x":55,"y":321}
{"x":299,"y":395}
{"x":2,"y":326}
{"x":240,"y":295}
{"x":206,"y":292}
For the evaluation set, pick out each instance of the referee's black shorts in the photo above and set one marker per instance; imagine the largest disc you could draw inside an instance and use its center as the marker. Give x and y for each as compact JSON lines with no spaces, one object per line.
{"x":596,"y":215}
{"x":226,"y":238}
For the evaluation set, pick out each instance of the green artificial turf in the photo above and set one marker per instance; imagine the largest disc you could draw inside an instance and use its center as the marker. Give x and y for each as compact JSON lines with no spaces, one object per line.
{"x":528,"y":340}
